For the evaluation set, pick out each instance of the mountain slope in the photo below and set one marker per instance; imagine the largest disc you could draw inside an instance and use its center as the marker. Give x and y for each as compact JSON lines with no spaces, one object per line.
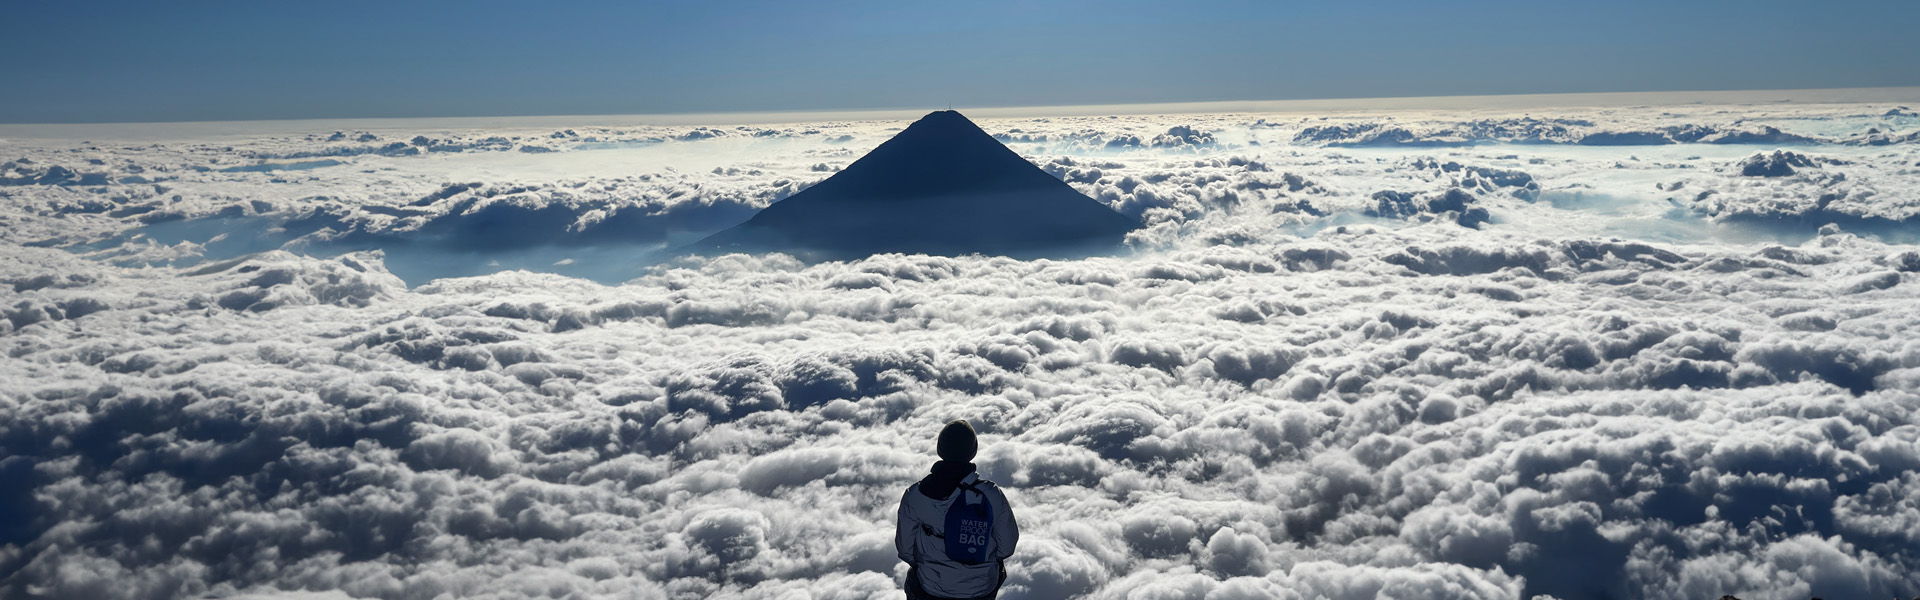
{"x":942,"y":186}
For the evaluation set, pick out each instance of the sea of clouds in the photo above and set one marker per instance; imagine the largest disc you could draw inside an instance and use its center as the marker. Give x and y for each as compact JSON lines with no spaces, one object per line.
{"x":1586,"y":353}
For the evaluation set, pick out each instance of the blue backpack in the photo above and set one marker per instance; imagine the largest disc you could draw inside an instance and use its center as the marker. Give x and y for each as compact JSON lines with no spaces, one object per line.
{"x":969,"y":529}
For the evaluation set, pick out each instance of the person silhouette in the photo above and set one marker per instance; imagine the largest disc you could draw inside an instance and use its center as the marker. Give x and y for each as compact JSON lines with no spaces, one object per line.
{"x":955,"y":529}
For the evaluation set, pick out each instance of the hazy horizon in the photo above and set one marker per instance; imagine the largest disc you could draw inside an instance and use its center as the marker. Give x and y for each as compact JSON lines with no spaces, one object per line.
{"x":121,"y":130}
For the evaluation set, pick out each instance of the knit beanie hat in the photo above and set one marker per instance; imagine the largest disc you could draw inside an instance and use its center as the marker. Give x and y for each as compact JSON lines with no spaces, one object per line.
{"x":957,"y":442}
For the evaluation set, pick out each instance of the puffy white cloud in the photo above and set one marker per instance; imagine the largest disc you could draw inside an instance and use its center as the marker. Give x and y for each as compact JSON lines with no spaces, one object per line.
{"x":1604,"y":389}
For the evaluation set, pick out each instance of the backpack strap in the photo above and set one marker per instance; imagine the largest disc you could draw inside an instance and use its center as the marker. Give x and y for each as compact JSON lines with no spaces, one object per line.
{"x":978,"y":483}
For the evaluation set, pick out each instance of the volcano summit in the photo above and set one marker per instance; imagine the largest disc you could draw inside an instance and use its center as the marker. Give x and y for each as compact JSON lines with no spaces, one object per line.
{"x":942,"y":187}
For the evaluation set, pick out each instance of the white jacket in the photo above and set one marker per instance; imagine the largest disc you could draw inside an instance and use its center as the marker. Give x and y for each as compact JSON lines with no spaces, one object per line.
{"x":939,"y":575}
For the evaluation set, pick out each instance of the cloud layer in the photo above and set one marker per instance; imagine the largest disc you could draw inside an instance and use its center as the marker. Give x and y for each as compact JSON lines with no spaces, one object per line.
{"x":1321,"y":374}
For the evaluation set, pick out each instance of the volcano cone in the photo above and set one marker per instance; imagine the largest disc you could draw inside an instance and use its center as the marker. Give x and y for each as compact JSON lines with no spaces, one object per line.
{"x":942,"y":187}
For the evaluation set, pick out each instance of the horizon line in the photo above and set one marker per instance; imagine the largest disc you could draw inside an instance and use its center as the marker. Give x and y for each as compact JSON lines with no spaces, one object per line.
{"x":1364,"y":104}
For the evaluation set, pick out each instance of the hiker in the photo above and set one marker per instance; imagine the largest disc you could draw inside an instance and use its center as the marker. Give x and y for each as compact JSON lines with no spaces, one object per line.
{"x":956,"y":529}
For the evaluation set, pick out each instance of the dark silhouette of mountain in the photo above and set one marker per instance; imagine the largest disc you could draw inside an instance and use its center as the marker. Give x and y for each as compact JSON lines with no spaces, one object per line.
{"x":940,"y":187}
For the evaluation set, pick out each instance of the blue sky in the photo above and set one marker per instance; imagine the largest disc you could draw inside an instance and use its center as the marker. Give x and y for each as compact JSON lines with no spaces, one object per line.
{"x":152,"y":61}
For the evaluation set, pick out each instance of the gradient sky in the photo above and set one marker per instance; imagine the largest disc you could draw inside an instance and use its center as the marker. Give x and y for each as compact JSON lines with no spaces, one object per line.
{"x":164,"y":61}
